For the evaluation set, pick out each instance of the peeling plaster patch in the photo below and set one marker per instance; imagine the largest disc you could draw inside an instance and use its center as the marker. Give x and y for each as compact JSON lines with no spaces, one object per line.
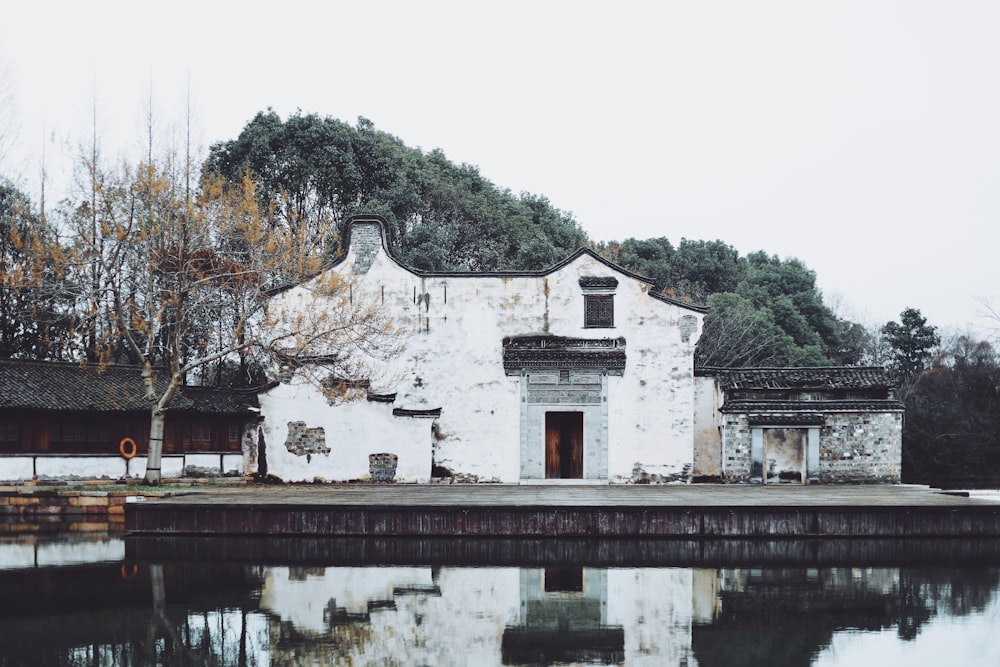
{"x":303,"y":441}
{"x":660,"y":474}
{"x":437,"y":433}
{"x":443,"y":475}
{"x":688,"y":325}
{"x":198,"y":471}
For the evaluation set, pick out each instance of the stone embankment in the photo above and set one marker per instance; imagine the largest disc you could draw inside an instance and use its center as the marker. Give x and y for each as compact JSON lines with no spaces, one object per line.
{"x":87,"y":506}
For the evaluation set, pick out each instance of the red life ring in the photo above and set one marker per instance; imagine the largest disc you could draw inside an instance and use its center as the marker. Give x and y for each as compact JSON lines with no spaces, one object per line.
{"x":127,"y":448}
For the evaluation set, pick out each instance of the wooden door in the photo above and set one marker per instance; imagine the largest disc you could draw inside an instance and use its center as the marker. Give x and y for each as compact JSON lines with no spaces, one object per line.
{"x":564,"y":445}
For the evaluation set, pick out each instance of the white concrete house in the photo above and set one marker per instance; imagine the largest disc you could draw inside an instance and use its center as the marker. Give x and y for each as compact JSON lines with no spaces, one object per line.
{"x":578,"y":372}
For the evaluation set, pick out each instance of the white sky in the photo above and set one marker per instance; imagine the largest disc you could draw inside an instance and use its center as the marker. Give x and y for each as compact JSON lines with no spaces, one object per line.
{"x":862,"y":137}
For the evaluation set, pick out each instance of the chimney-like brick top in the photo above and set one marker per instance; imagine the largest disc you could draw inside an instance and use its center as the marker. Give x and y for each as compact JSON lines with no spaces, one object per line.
{"x":366,"y":243}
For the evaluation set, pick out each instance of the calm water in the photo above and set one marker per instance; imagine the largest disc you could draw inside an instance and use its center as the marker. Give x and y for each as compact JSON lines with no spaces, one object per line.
{"x":109,"y":601}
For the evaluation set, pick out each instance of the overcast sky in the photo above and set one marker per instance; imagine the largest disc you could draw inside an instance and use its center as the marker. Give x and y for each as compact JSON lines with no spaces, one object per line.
{"x":862,"y":137}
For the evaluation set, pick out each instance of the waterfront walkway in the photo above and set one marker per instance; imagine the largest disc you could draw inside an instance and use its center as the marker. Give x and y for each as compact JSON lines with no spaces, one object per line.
{"x":567,"y":510}
{"x":574,"y":495}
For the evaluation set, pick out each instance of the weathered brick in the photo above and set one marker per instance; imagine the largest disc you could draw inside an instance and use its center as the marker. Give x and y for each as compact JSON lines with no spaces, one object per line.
{"x":89,"y":526}
{"x":50,"y":509}
{"x":22,"y":528}
{"x":90,"y":501}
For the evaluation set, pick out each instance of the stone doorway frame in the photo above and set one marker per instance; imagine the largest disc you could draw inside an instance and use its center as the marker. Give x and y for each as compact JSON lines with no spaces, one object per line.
{"x":758,"y":474}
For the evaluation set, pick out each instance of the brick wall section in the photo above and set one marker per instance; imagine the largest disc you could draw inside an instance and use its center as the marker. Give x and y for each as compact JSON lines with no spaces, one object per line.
{"x":854,"y":448}
{"x":736,"y":455}
{"x":22,"y":510}
{"x":366,"y":241}
{"x":859,"y":447}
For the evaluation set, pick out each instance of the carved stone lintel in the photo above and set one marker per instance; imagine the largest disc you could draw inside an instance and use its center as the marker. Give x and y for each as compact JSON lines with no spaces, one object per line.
{"x":558,"y":352}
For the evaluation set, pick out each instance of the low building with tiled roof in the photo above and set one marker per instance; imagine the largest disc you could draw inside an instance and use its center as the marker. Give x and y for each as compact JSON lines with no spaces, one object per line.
{"x":60,"y":420}
{"x":796,"y":425}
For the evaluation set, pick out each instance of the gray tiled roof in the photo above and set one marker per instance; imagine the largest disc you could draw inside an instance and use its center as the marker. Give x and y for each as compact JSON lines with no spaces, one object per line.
{"x":823,"y":377}
{"x":33,"y":385}
{"x":848,"y":405}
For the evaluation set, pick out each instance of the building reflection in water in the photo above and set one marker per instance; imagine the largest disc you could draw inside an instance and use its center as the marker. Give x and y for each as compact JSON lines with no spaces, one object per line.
{"x":195,"y":612}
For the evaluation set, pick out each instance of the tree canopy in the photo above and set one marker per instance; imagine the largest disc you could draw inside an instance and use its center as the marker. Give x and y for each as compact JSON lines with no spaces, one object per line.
{"x":316,"y":170}
{"x":952,"y":428}
{"x":35,"y":306}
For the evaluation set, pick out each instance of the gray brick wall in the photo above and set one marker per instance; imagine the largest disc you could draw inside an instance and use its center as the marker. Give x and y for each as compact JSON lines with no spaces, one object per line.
{"x":366,"y":241}
{"x":854,"y":448}
{"x":857,"y":447}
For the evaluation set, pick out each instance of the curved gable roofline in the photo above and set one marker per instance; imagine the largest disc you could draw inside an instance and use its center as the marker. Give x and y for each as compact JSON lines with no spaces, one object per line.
{"x":368,"y":218}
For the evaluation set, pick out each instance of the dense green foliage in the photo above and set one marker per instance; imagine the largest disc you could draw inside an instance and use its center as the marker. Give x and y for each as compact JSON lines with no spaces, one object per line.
{"x":911,"y":343}
{"x":763,"y":311}
{"x":443,"y":216}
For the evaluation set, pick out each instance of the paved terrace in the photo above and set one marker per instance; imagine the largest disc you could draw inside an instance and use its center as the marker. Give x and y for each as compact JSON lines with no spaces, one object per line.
{"x":574,"y":495}
{"x":567,"y":510}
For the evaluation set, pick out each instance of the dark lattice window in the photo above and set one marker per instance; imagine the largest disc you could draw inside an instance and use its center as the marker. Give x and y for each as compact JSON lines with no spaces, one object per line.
{"x":598,"y":310}
{"x":80,"y":437}
{"x":10,"y":432}
{"x":10,"y":436}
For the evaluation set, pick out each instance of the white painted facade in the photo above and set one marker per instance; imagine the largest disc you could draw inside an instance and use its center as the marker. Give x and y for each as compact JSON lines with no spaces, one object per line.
{"x":491,"y":425}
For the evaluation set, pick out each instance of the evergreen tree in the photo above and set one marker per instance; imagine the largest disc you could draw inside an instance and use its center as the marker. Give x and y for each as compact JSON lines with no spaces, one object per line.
{"x":911,"y":344}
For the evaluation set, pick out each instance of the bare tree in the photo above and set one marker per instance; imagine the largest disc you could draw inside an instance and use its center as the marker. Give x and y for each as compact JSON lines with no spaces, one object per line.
{"x":8,"y":116}
{"x":185,"y":279}
{"x":991,"y":312}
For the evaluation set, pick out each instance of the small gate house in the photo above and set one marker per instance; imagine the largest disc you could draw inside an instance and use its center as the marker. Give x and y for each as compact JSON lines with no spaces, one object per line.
{"x":798,"y":425}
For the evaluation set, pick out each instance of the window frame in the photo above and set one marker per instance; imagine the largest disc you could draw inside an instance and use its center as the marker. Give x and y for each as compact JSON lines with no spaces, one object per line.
{"x":598,"y":311}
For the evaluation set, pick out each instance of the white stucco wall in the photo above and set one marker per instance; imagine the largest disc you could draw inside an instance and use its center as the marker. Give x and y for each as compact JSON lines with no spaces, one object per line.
{"x":216,"y":464}
{"x":16,"y":468}
{"x":353,"y":431}
{"x":81,"y":467}
{"x":707,"y":428}
{"x":453,"y":327}
{"x":54,"y":467}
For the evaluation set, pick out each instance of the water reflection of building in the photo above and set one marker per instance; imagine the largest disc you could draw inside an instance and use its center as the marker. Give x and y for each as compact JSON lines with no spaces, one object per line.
{"x":117,"y":612}
{"x":420,"y":615}
{"x":564,"y":618}
{"x":455,"y":615}
{"x":754,"y":615}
